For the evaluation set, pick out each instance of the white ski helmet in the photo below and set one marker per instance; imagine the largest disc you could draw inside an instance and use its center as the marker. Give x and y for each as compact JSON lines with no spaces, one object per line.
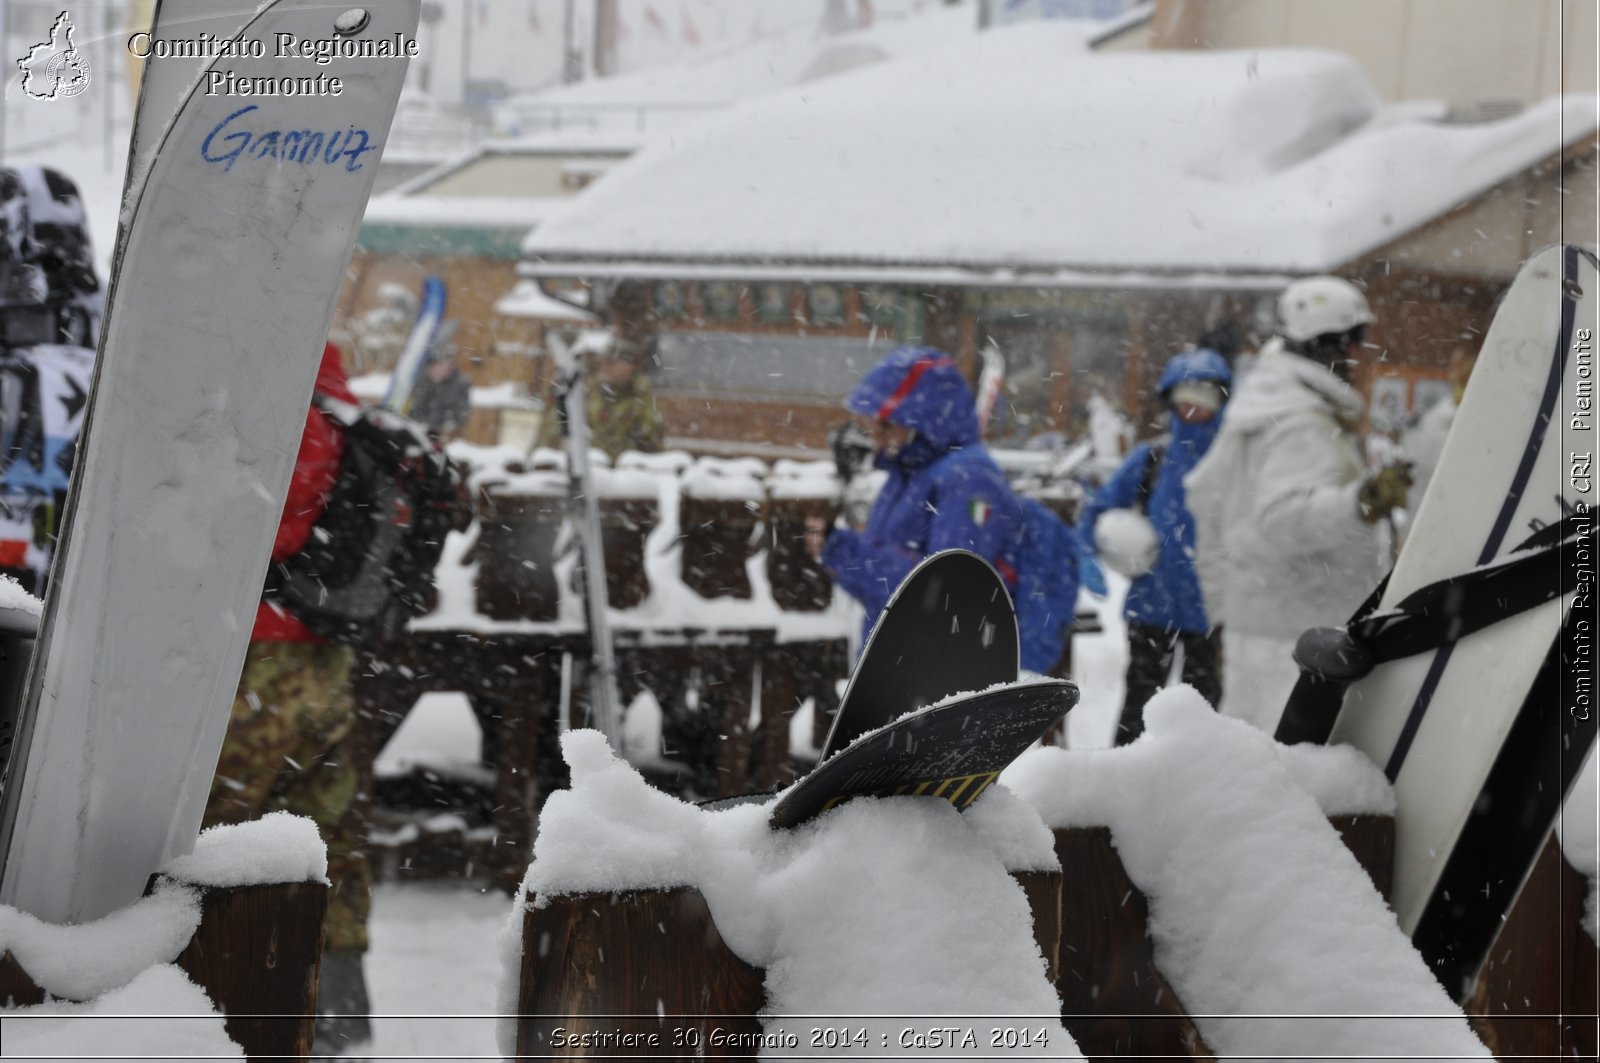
{"x":1318,"y":306}
{"x":1127,"y":542}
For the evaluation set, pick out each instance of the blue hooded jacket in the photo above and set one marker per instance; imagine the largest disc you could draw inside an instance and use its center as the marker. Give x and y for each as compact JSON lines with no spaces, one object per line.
{"x":1167,"y":596}
{"x":944,"y":491}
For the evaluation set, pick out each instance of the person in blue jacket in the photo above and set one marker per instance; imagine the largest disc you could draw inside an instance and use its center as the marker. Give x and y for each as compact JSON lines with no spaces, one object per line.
{"x":1164,"y":608}
{"x":944,"y":491}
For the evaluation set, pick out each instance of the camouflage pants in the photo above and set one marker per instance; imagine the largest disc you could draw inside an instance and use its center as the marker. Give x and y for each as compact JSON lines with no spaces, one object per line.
{"x":286,"y":751}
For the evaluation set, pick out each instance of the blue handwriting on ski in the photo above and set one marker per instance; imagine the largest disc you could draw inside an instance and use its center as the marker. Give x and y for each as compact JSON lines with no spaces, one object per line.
{"x":306,"y":146}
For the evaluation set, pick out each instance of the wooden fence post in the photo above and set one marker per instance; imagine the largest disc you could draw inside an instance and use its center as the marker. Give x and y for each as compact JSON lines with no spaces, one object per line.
{"x":799,"y":584}
{"x":1115,"y":1002}
{"x":647,"y":973}
{"x":515,"y":552}
{"x":258,"y":954}
{"x":649,"y":968}
{"x":625,"y":524}
{"x":1535,"y":997}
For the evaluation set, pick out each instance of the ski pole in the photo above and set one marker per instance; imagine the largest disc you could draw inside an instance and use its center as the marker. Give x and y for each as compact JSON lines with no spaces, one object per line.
{"x":584,"y":506}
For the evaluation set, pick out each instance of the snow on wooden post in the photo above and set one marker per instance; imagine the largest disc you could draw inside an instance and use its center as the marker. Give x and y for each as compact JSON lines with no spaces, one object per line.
{"x":241,"y":916}
{"x":799,"y":583}
{"x":626,"y":521}
{"x":257,"y":951}
{"x":717,"y":519}
{"x":798,"y":492}
{"x":647,"y":973}
{"x":517,"y":530}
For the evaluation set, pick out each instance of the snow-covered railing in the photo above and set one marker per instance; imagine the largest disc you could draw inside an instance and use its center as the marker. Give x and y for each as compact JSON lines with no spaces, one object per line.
{"x":221,"y":955}
{"x":705,"y":542}
{"x":1212,"y":899}
{"x":724,"y":628}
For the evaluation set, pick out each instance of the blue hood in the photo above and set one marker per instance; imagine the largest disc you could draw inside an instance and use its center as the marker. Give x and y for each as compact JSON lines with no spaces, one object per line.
{"x":1198,"y":363}
{"x":923,"y":389}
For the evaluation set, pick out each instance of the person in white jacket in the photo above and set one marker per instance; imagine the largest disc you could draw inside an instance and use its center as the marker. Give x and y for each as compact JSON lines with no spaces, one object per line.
{"x":1287,"y":517}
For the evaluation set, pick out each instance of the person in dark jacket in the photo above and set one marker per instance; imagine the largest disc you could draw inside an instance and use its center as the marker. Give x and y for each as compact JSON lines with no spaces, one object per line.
{"x":1165,"y":611}
{"x":944,"y":491}
{"x":287,"y":746}
{"x":442,"y":397}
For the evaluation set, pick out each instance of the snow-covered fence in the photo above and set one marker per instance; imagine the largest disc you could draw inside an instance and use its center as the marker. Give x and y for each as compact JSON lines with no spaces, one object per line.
{"x":617,"y":965}
{"x":718,"y":614}
{"x":1204,"y":890}
{"x":695,"y":525}
{"x":235,"y":927}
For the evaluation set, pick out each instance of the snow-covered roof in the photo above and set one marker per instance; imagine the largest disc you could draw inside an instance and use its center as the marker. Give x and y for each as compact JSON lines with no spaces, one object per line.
{"x":500,"y":212}
{"x":1019,"y":149}
{"x":771,"y":62}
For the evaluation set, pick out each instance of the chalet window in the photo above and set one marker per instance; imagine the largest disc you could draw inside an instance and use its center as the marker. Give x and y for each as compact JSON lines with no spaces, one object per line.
{"x":718,"y":365}
{"x":672,"y":301}
{"x":882,"y":307}
{"x":721,"y":301}
{"x":825,"y":305}
{"x":773,"y":306}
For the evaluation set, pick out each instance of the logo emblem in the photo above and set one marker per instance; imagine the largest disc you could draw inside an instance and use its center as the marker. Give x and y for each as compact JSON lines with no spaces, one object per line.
{"x":55,"y":69}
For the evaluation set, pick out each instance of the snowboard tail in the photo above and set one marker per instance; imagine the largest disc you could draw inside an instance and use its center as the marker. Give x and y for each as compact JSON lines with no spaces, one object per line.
{"x":952,"y":751}
{"x":1496,"y":849}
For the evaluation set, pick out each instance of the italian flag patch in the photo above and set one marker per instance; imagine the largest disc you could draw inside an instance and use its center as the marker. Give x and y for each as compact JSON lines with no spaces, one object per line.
{"x":980,"y":512}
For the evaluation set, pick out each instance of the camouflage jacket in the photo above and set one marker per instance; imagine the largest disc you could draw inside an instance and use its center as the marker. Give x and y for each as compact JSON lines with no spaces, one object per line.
{"x":620,"y":419}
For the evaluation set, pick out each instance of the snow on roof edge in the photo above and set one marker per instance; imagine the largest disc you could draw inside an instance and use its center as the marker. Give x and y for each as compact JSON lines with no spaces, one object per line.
{"x":863,"y":271}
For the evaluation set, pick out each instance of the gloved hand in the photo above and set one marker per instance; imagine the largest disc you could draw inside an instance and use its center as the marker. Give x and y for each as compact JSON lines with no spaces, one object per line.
{"x":852,"y":450}
{"x":1384,"y":491}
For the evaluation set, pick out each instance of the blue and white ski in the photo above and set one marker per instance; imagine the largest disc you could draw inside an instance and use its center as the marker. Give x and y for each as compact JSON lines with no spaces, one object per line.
{"x":414,"y":355}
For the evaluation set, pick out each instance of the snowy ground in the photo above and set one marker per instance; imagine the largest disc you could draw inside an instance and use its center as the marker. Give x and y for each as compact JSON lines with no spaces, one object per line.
{"x":432,"y":970}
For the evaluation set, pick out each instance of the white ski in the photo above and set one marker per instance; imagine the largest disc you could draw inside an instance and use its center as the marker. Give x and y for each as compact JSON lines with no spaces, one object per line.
{"x":223,"y":287}
{"x":164,"y":83}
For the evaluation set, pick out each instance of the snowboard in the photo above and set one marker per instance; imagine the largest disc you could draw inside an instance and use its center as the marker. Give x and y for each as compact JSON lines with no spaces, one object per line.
{"x":230,"y":258}
{"x":414,"y":355}
{"x":949,"y":628}
{"x":1479,"y":735}
{"x":953,"y":750}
